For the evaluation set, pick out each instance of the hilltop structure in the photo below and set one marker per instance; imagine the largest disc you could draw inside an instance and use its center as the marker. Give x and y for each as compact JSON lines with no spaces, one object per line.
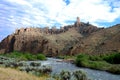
{"x":77,"y":23}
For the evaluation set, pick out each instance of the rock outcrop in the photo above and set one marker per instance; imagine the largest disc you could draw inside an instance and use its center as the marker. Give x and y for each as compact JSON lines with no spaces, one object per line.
{"x":100,"y":42}
{"x":71,"y":39}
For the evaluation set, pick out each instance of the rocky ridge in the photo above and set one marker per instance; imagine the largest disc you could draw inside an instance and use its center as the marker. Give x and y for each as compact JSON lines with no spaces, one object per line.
{"x":71,"y":39}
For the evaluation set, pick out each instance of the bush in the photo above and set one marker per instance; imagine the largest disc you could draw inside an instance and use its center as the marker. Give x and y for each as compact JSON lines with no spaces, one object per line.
{"x":95,"y":58}
{"x":114,"y":69}
{"x":79,"y":75}
{"x":81,"y":59}
{"x":65,"y":75}
{"x":35,"y":64}
{"x":68,"y":75}
{"x":113,"y":58}
{"x":100,"y":62}
{"x":41,"y":57}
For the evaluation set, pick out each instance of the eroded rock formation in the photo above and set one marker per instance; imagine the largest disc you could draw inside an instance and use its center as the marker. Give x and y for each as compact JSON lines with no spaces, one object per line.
{"x":71,"y":39}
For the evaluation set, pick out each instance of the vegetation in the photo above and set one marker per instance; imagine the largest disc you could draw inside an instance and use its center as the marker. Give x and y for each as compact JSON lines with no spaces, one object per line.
{"x":67,"y":75}
{"x":113,"y":58}
{"x":25,"y":56}
{"x":12,"y":74}
{"x":40,"y":57}
{"x":108,"y":62}
{"x":32,"y":67}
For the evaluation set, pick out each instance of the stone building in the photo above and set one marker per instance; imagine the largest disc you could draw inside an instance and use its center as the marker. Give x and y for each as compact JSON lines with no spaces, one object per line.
{"x":77,"y":23}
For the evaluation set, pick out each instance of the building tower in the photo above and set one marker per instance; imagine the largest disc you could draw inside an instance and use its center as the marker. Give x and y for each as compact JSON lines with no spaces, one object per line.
{"x":77,"y":23}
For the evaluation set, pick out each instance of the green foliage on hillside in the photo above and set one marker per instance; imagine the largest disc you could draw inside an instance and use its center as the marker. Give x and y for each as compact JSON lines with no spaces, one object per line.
{"x":25,"y":56}
{"x":113,"y":58}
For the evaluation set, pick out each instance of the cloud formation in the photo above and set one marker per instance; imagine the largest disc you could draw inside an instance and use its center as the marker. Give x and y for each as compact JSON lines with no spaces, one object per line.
{"x":40,"y":13}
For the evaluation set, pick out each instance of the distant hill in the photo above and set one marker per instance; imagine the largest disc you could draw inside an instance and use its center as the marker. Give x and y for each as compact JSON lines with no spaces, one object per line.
{"x":102,"y":41}
{"x":72,"y":39}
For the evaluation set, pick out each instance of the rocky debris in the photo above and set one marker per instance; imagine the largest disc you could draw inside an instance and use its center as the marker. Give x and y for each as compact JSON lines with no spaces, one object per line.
{"x":67,"y":60}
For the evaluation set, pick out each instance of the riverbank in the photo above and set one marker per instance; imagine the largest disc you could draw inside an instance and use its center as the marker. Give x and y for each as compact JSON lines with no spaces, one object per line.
{"x":109,"y":63}
{"x":57,"y":67}
{"x":13,"y":74}
{"x":105,"y":62}
{"x":92,"y":74}
{"x":98,"y":62}
{"x":35,"y":68}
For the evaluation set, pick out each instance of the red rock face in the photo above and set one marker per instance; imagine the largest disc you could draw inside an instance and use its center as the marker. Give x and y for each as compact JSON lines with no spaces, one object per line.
{"x":7,"y":44}
{"x":69,"y":40}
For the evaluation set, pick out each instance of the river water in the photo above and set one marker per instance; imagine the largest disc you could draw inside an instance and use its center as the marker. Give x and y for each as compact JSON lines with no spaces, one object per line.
{"x":92,"y":74}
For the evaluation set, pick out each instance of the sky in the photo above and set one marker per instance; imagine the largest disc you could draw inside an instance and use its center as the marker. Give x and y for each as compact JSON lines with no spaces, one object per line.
{"x":15,"y":14}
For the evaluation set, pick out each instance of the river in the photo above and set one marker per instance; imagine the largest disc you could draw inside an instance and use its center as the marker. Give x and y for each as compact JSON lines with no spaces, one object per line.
{"x":92,"y":74}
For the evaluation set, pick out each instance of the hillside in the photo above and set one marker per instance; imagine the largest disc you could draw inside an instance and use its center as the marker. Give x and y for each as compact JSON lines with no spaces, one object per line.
{"x":103,"y":41}
{"x":72,"y":39}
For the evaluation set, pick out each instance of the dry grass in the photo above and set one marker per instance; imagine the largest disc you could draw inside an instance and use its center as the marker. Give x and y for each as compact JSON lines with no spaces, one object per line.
{"x":62,"y":39}
{"x":12,"y":74}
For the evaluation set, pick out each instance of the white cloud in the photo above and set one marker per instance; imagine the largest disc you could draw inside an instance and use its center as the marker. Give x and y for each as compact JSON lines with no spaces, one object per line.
{"x":19,"y":13}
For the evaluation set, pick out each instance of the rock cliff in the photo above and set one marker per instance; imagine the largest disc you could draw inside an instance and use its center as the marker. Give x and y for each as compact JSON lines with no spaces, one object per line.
{"x":71,"y":39}
{"x":102,"y":41}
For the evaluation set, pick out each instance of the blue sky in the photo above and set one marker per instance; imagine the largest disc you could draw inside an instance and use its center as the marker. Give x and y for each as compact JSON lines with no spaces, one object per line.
{"x":15,"y":14}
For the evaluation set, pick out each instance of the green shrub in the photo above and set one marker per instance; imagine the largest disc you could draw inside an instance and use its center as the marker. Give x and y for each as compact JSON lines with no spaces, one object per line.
{"x":79,"y":75}
{"x":113,"y":58}
{"x":114,"y":69}
{"x":30,"y":56}
{"x":81,"y":58}
{"x":100,"y":62}
{"x":95,"y":58}
{"x":35,"y":64}
{"x":101,"y":65}
{"x":25,"y":56}
{"x":65,"y":75}
{"x":68,"y":75}
{"x":41,"y":57}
